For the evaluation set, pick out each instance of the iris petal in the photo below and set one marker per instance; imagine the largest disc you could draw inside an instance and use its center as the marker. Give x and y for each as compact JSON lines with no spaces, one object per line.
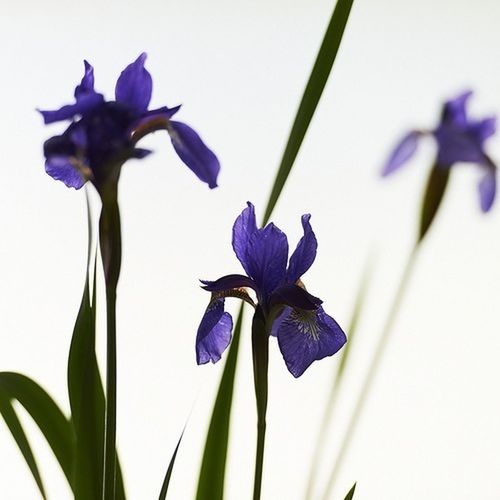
{"x":267,"y":258}
{"x":454,"y":111}
{"x":307,"y":336}
{"x":87,"y":84}
{"x":295,"y":296}
{"x":228,"y":282}
{"x":85,"y":103}
{"x":60,"y":168}
{"x":243,"y":229}
{"x":487,"y":190}
{"x":135,"y":85}
{"x":405,"y":149}
{"x":305,"y":253}
{"x":483,"y":129}
{"x":214,"y":333}
{"x":194,"y":153}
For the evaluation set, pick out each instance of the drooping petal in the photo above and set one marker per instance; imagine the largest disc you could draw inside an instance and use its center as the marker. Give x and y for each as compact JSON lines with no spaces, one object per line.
{"x":487,"y":190}
{"x":308,"y":336}
{"x":295,"y":296}
{"x":267,"y":257}
{"x":86,"y":86}
{"x":214,"y":333}
{"x":228,"y":282}
{"x":305,"y":253}
{"x":85,"y":103}
{"x":194,"y":153}
{"x":279,"y":319}
{"x":135,"y":85}
{"x":244,"y":228}
{"x":405,"y":149}
{"x":60,"y":168}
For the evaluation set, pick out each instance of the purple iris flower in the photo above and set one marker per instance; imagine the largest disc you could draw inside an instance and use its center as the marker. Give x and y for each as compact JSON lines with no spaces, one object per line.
{"x":304,"y":331}
{"x":103,"y":134}
{"x":459,"y":139}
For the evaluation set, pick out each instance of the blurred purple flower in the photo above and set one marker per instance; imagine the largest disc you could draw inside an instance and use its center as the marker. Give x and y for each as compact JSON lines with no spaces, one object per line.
{"x":459,"y":139}
{"x":304,"y":331}
{"x":103,"y":134}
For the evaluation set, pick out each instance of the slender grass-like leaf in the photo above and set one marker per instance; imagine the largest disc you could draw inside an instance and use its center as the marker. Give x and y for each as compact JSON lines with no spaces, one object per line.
{"x":56,"y":428}
{"x":213,"y":465}
{"x":350,"y":495}
{"x":168,"y":475}
{"x":338,"y":378}
{"x":370,"y":375}
{"x":312,"y":94}
{"x":86,"y":395}
{"x":11,"y":419}
{"x":212,"y":473}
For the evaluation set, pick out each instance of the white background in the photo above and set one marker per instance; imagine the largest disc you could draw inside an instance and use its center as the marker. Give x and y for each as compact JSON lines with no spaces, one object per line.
{"x":430,"y":429}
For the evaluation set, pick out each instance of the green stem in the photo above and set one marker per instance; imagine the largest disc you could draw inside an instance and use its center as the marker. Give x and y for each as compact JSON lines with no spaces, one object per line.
{"x":372,"y":370}
{"x":110,"y":239}
{"x":260,"y":348}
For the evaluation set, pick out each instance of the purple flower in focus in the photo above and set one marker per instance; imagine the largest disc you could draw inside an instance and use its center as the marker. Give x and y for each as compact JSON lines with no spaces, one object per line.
{"x":304,"y":331}
{"x":103,"y":134}
{"x":459,"y":139}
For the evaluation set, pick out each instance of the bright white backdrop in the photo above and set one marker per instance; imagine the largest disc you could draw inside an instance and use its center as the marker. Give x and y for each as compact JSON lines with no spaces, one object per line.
{"x":431,"y":425}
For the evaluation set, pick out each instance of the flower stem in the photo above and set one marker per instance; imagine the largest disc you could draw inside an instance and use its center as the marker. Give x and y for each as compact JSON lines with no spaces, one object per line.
{"x":110,"y":240}
{"x":260,"y":347}
{"x":372,"y":370}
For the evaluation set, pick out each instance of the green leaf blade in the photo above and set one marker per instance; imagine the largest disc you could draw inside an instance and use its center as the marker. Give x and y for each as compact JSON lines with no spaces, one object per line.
{"x":350,"y":495}
{"x":56,"y":428}
{"x":168,"y":475}
{"x":312,"y":94}
{"x":11,"y":419}
{"x":213,"y":466}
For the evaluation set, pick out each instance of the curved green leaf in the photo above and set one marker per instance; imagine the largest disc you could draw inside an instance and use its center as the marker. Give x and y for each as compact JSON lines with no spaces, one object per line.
{"x":168,"y":475}
{"x":86,"y":396}
{"x":17,"y":431}
{"x":213,"y":465}
{"x":56,"y":428}
{"x":350,"y":495}
{"x":211,"y":480}
{"x":314,"y":88}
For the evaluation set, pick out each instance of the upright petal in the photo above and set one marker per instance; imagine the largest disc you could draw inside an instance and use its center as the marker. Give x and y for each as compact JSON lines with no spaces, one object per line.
{"x":244,"y":228}
{"x":454,"y":111}
{"x":267,"y":258}
{"x":214,"y":333}
{"x":305,"y":253}
{"x":405,"y":149}
{"x":60,"y":168}
{"x":194,"y":153}
{"x":483,"y":129}
{"x":87,"y":84}
{"x":308,"y":336}
{"x":135,"y":85}
{"x":487,"y":190}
